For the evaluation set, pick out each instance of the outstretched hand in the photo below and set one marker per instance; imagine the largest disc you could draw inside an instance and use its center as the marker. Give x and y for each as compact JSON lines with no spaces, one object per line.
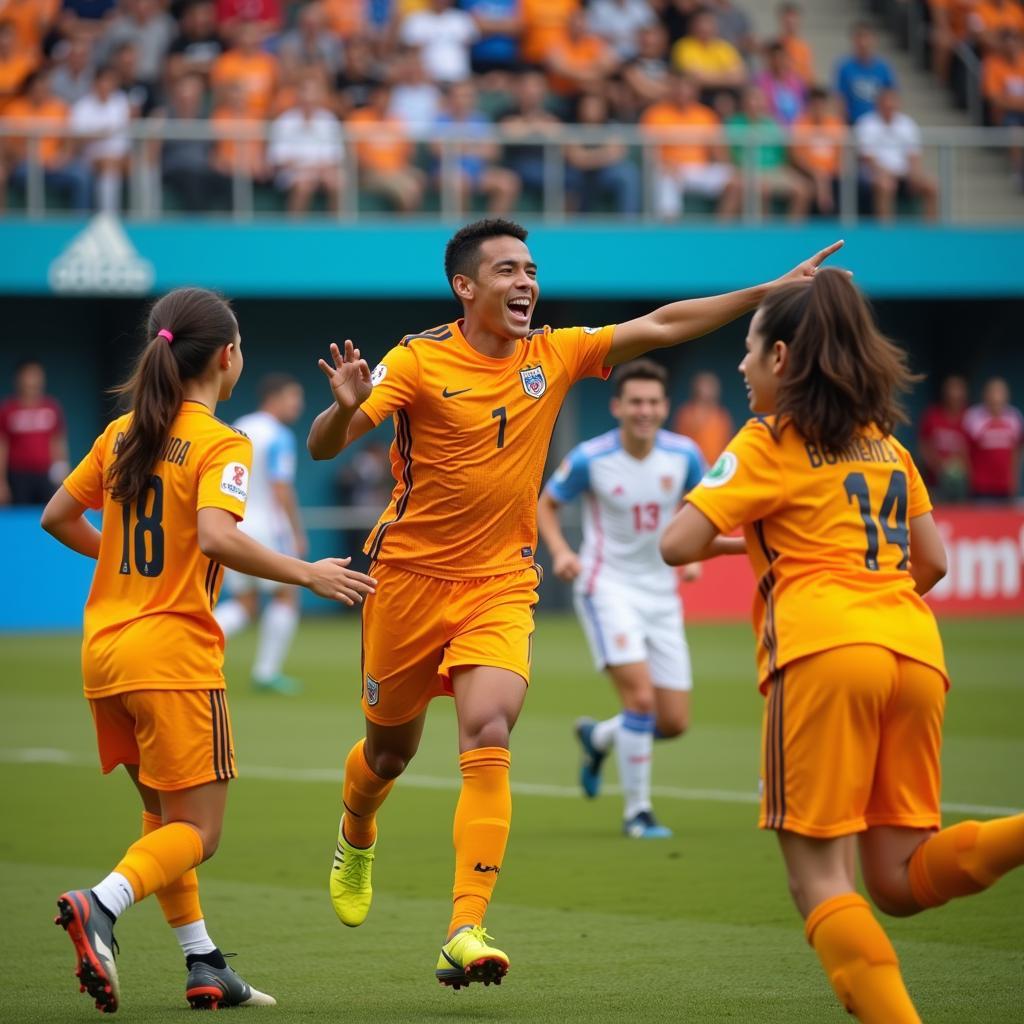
{"x":810,"y":267}
{"x":349,"y":377}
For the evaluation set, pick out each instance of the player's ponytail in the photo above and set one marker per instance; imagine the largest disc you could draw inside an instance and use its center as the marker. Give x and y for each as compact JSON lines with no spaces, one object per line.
{"x":842,"y":374}
{"x":184,"y":330}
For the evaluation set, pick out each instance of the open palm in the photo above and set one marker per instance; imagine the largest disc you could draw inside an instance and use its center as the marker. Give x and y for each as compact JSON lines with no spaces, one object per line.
{"x":349,"y":377}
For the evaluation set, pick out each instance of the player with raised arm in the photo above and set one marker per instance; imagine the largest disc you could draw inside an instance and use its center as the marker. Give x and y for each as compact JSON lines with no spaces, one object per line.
{"x":841,"y":538}
{"x":474,"y":402}
{"x":271,"y":516}
{"x":172,"y":482}
{"x":633,"y":479}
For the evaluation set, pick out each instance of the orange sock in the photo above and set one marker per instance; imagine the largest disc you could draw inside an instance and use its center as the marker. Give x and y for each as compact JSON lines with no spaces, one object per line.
{"x":965,"y":859}
{"x":859,"y":960}
{"x":180,"y":900}
{"x":362,"y":793}
{"x":162,"y":857}
{"x":480,"y":831}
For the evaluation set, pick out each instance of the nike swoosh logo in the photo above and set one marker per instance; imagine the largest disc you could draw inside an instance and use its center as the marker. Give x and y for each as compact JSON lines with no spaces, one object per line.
{"x":451,"y":394}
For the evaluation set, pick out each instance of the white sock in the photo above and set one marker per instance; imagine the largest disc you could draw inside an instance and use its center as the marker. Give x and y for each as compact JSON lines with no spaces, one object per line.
{"x":193,"y":938}
{"x":232,"y":616}
{"x":634,"y":743}
{"x":604,"y":732}
{"x":277,"y":627}
{"x":108,"y":192}
{"x":115,"y":892}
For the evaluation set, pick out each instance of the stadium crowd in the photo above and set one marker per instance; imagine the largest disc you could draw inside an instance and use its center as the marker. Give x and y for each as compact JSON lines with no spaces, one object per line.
{"x":391,"y":79}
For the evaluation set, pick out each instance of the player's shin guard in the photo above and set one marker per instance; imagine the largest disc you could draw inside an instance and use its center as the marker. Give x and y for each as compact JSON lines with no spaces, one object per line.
{"x":154,"y":861}
{"x":180,"y":899}
{"x":362,"y":793}
{"x":860,"y":961}
{"x":480,"y":832}
{"x":965,"y":859}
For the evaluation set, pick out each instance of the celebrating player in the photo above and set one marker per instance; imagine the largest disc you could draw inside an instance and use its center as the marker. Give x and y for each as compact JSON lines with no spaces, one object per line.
{"x":171,"y":480}
{"x":626,"y":597}
{"x":841,"y":538}
{"x":272,"y":517}
{"x":474,"y":402}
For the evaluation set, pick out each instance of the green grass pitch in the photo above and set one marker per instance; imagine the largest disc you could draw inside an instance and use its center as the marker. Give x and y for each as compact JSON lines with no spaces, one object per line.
{"x":599,"y":928}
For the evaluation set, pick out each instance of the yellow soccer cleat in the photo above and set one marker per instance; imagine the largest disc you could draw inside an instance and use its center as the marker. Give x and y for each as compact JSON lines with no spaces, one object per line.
{"x":466,"y":957}
{"x":351,"y":891}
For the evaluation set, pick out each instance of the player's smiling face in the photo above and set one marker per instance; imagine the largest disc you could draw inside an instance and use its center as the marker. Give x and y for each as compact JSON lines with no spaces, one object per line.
{"x":641,"y":409}
{"x":505,"y":287}
{"x":761,"y":367}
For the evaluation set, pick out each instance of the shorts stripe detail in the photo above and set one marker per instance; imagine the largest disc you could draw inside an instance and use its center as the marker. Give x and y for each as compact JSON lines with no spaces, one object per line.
{"x":766,"y":588}
{"x":229,"y":757}
{"x":403,"y":438}
{"x":212,"y":571}
{"x":218,"y":767}
{"x":595,"y":622}
{"x":775,"y":756}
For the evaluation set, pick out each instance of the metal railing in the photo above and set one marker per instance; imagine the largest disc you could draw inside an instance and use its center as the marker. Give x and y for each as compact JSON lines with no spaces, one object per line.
{"x":946,"y":151}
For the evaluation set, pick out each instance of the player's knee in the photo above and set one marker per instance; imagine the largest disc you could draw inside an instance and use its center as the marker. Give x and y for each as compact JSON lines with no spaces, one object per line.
{"x":640,"y":701}
{"x":492,"y":733}
{"x":388,"y":764}
{"x":891,"y":895}
{"x":210,"y":836}
{"x":671,"y":726}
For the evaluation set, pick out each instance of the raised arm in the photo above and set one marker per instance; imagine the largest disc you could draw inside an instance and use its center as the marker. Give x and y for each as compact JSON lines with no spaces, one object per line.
{"x":342,"y":422}
{"x":683,"y":321}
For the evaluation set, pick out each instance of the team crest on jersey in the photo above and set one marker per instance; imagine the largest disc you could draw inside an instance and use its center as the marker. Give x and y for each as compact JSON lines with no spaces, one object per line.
{"x":380,"y":371}
{"x":372,"y":691}
{"x":534,"y":381}
{"x":722,"y":471}
{"x":667,"y":483}
{"x":234,"y":481}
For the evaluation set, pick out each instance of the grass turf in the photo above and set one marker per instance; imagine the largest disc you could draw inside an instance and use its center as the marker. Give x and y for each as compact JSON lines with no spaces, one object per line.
{"x":599,"y":928}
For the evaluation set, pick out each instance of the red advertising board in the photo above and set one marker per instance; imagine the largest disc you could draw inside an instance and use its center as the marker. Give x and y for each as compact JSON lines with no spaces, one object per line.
{"x":984,"y":551}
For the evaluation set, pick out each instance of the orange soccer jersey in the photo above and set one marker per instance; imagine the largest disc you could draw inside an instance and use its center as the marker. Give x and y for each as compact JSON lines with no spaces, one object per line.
{"x":472,"y":437}
{"x":149,"y":621}
{"x":827,"y":535}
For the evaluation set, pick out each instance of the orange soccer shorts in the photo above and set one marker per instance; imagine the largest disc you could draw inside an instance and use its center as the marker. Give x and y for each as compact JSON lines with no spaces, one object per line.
{"x":416,"y":629}
{"x":178,"y":738}
{"x":850,"y":740}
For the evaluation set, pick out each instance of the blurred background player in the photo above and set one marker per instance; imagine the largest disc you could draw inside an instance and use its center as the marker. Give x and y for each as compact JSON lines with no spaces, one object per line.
{"x":626,"y":597}
{"x":272,"y":517}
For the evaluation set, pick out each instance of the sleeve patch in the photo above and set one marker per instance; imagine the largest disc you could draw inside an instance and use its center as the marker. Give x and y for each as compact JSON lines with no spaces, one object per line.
{"x":379,"y":373}
{"x":234,"y":481}
{"x":722,"y":471}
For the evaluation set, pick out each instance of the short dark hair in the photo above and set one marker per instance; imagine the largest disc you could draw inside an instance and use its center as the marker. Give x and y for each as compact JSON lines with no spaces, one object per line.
{"x":274,"y":383}
{"x":638,"y":369}
{"x":462,"y":253}
{"x":29,"y":361}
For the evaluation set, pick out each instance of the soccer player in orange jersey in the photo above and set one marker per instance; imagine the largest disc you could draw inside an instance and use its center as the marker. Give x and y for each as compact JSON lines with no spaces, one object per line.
{"x":474,"y":402}
{"x":839,"y":530}
{"x":172,"y":481}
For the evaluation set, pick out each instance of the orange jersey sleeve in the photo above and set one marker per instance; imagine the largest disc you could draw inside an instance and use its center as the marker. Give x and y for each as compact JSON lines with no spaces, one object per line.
{"x":85,"y":483}
{"x":224,"y":475}
{"x":395,"y":380}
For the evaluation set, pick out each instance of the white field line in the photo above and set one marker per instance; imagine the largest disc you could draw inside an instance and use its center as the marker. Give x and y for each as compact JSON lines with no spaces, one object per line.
{"x":54,"y":756}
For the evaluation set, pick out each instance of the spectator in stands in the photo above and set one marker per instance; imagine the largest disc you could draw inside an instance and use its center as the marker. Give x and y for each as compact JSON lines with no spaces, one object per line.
{"x":704,"y":418}
{"x":675,"y":16}
{"x":601,"y":172}
{"x":152,"y":30}
{"x":620,"y":22}
{"x":544,"y":26}
{"x":495,"y":54}
{"x":240,"y":148}
{"x":350,"y":18}
{"x":889,"y":142}
{"x":250,"y":65}
{"x":791,"y":37}
{"x":444,"y":35}
{"x":709,"y":60}
{"x":733,"y":24}
{"x":306,"y":149}
{"x":817,"y":150}
{"x":415,"y":100}
{"x":198,"y":43}
{"x":528,"y":126}
{"x":989,"y":19}
{"x":310,"y":43}
{"x":141,"y":93}
{"x":384,"y":154}
{"x":32,"y":20}
{"x":646,"y":75}
{"x":862,"y":76}
{"x":85,"y":17}
{"x":696,"y":162}
{"x":943,"y":444}
{"x":784,"y":91}
{"x":581,"y":62}
{"x":73,"y":72}
{"x":476,"y":172}
{"x":776,"y":179}
{"x":264,"y":15}
{"x":1003,"y":86}
{"x":15,"y":64}
{"x":33,"y":440}
{"x":103,"y":116}
{"x":186,"y":165}
{"x":62,"y":172}
{"x":995,"y":431}
{"x":360,"y":74}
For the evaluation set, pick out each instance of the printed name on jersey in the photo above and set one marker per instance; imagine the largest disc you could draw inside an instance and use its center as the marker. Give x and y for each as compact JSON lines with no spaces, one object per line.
{"x":722,"y":471}
{"x":534,"y":381}
{"x":380,"y":371}
{"x":234,"y":481}
{"x":372,"y":690}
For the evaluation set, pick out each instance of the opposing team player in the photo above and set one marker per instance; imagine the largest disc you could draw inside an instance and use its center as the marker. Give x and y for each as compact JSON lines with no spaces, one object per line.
{"x":840,"y":534}
{"x":632,"y":479}
{"x":271,"y":516}
{"x":172,"y":481}
{"x":474,"y":402}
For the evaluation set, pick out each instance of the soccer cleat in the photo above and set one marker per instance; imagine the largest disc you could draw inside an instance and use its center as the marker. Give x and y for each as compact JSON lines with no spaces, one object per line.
{"x":282,"y":684}
{"x":213,"y":988}
{"x":351,"y":891}
{"x":644,"y":825}
{"x":466,"y":957}
{"x":91,"y":930}
{"x":590,"y":769}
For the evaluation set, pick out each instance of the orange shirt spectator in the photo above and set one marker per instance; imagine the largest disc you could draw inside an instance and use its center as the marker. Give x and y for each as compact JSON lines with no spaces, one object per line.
{"x":1002,"y":77}
{"x":990,"y":18}
{"x":578,"y":59}
{"x":16,"y":64}
{"x":32,"y":19}
{"x":704,"y":418}
{"x":385,"y":152}
{"x":544,"y":26}
{"x":346,"y":18}
{"x":51,"y":111}
{"x":818,"y":144}
{"x":667,"y":115}
{"x":250,"y":67}
{"x":247,"y":150}
{"x":802,"y":56}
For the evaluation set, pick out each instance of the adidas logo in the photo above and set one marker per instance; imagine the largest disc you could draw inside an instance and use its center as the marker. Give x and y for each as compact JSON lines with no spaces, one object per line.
{"x":101,"y":259}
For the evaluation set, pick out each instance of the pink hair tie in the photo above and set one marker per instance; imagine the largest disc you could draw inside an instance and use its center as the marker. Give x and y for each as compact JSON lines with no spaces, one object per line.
{"x":164,"y":333}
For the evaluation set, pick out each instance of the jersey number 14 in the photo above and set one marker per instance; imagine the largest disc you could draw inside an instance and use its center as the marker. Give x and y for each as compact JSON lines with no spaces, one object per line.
{"x":892,"y":515}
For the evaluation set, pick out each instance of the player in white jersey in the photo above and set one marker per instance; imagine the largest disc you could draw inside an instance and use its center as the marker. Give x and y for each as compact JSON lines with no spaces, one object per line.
{"x":272,"y":517}
{"x":633,"y":480}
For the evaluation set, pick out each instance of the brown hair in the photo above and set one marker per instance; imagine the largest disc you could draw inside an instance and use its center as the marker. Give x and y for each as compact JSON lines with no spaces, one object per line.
{"x":638,"y":369}
{"x":201,"y":323}
{"x":843,"y":374}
